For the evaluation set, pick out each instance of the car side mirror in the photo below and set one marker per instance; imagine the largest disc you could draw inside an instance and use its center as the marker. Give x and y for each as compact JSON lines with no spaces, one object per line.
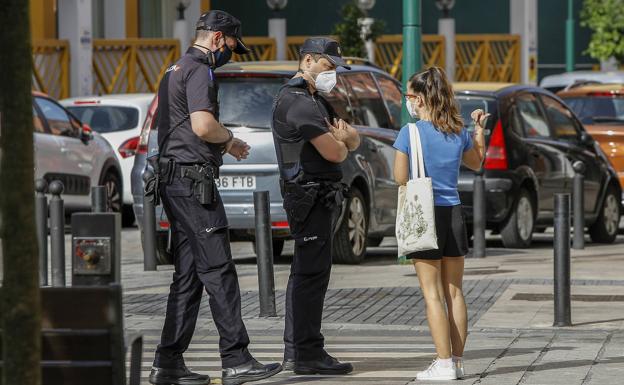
{"x":86,"y":133}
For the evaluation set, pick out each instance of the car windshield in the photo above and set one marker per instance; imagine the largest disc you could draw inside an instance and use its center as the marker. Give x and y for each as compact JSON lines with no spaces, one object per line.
{"x":468,"y":104}
{"x":598,"y":109}
{"x":105,"y":119}
{"x":247,"y":101}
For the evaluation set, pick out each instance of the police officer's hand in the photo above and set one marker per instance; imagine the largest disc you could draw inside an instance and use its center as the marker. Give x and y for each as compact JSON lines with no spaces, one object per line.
{"x":345,"y":133}
{"x":238,"y":149}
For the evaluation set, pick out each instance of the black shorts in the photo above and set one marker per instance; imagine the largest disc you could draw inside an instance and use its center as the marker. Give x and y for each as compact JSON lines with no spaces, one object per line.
{"x":451,"y":233}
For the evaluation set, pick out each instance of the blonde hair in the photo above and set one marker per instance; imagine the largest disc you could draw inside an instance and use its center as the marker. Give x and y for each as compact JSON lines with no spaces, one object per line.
{"x":439,"y":99}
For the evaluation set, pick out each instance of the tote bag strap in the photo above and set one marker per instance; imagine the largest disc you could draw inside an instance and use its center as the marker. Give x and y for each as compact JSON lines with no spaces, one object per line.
{"x":417,"y":159}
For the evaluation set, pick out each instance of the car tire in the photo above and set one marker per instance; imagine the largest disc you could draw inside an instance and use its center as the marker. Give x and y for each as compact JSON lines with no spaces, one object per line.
{"x":349,"y":246}
{"x":374,"y":241}
{"x":517,"y":232}
{"x":606,"y":227}
{"x":278,"y":247}
{"x":114,"y":198}
{"x":127,"y":216}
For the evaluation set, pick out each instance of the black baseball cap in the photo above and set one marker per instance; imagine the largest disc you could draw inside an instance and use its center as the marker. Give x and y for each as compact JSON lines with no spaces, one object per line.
{"x":327,"y":47}
{"x":229,"y":25}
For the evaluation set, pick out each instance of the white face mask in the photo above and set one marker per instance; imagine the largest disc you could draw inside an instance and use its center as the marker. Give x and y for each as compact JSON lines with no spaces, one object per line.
{"x":411,"y":108}
{"x":325,"y":81}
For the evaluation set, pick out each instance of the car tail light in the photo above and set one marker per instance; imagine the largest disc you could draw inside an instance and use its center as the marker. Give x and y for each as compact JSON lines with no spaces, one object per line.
{"x":129,"y":147}
{"x":605,"y":93}
{"x":496,"y":154}
{"x":280,"y":225}
{"x":163,"y":224}
{"x":79,"y":102}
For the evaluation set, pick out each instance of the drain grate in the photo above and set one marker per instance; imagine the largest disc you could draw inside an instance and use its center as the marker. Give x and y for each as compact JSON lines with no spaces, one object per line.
{"x":575,"y":297}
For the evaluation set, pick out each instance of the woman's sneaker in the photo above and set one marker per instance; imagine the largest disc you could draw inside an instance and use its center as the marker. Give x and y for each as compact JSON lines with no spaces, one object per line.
{"x":436,"y":372}
{"x":459,"y":368}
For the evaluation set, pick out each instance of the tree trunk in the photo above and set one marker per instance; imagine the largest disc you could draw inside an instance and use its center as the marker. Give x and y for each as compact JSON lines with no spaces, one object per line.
{"x":20,"y":307}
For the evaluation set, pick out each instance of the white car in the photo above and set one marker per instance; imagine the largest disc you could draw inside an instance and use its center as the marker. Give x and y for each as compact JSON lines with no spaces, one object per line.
{"x":67,"y":150}
{"x":118,"y":118}
{"x":558,"y":82}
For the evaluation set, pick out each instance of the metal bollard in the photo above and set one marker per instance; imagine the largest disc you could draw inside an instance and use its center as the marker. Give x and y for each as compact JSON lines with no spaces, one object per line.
{"x":149,"y":228}
{"x":264,"y":251}
{"x":578,"y":196}
{"x":57,"y":234}
{"x":98,"y":199}
{"x":478,"y":221}
{"x":41,"y":220}
{"x":562,"y":260}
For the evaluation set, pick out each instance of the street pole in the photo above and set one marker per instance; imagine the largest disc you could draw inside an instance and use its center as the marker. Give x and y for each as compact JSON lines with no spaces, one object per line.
{"x":570,"y":37}
{"x":412,"y":36}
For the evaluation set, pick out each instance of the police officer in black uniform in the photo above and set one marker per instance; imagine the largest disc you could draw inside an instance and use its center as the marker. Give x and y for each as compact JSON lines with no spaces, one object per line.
{"x":191,"y":142}
{"x":310,"y":144}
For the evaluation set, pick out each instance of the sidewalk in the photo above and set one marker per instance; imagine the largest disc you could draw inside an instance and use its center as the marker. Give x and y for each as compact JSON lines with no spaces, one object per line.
{"x":374,"y":317}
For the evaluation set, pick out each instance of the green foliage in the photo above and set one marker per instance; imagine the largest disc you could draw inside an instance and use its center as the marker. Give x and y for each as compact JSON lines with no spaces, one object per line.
{"x":606,"y":20}
{"x":348,"y":31}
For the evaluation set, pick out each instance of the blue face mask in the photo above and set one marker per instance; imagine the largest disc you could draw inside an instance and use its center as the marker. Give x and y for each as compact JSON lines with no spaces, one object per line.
{"x":222,"y":56}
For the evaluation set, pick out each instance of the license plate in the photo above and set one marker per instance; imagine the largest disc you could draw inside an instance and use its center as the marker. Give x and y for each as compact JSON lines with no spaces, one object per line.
{"x":238,"y":182}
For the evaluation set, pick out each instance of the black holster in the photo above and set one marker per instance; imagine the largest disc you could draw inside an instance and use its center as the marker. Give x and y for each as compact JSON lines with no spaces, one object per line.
{"x":299,"y":199}
{"x":152,"y":185}
{"x":202,"y":177}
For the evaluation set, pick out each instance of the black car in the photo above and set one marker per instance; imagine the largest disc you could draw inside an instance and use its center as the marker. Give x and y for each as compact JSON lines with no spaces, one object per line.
{"x":533,"y":139}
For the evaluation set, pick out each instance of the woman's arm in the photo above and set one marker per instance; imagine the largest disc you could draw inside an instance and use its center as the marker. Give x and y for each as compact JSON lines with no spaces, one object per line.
{"x":473,"y":158}
{"x":401,"y":167}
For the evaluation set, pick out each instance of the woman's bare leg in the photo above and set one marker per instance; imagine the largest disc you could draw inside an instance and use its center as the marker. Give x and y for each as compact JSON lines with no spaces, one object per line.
{"x":429,"y":276}
{"x":452,"y":276}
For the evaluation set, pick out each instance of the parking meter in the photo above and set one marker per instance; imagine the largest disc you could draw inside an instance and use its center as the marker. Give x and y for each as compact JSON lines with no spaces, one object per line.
{"x":96,"y":248}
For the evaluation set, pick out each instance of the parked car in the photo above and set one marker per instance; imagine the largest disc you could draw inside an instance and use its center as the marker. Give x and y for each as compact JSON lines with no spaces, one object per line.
{"x":600,"y":107}
{"x":117,"y":118}
{"x":365,"y":96}
{"x":532,"y":140}
{"x":559,"y":82}
{"x":67,"y":150}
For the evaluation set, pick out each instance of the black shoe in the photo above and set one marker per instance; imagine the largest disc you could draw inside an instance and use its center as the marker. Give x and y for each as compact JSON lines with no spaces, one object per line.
{"x":180,"y":376}
{"x":288,"y":365}
{"x":326,"y":365}
{"x":251,"y":371}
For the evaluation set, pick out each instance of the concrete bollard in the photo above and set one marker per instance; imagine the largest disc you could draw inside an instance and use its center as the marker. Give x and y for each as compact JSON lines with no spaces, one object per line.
{"x":41,"y":221}
{"x":264,"y":251}
{"x":562,"y":261}
{"x":57,"y":234}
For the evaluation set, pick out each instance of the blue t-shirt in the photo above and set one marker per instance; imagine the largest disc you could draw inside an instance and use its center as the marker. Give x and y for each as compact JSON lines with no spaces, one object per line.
{"x":442,"y":154}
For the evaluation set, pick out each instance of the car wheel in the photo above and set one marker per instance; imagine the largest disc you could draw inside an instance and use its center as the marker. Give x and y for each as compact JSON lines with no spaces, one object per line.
{"x":605,"y":229}
{"x":350,"y":238}
{"x":517,"y":232}
{"x":112,"y":183}
{"x":374,"y":241}
{"x":278,"y":247}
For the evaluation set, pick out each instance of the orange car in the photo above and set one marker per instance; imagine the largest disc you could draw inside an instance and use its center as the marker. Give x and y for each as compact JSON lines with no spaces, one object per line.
{"x":601,"y":109}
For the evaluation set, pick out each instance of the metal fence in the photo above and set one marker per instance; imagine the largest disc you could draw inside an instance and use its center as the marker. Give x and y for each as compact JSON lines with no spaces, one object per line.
{"x":51,"y":67}
{"x":131,"y":65}
{"x":389,"y":52}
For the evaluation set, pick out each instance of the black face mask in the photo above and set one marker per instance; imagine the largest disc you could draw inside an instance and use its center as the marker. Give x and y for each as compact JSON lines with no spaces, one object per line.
{"x":218,"y":58}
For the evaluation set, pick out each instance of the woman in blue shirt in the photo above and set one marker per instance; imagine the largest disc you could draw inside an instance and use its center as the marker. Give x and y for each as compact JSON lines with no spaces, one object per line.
{"x":446,"y":145}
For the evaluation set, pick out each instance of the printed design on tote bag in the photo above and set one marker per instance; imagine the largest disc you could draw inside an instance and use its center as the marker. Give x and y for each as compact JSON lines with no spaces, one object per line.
{"x":414,"y":222}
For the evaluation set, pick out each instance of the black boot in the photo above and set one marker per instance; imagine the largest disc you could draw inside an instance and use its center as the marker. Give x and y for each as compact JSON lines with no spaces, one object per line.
{"x":180,"y":376}
{"x":251,"y":371}
{"x":288,"y":364}
{"x":325,"y":365}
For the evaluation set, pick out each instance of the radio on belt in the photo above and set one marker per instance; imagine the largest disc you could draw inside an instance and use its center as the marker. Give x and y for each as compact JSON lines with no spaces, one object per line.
{"x":96,"y":248}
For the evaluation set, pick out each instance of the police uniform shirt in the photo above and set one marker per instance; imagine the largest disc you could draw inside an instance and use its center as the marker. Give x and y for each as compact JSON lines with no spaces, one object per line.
{"x":298,"y":118}
{"x":191,"y":87}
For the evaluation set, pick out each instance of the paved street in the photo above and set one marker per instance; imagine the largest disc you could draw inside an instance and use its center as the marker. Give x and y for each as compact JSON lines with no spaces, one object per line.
{"x":375,"y":317}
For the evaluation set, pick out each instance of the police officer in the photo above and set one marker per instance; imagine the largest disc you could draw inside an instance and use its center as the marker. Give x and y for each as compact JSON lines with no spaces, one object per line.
{"x":310,"y":144}
{"x":191,"y":142}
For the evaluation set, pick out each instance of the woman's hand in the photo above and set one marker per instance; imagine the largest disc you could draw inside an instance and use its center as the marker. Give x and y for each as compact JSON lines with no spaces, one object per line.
{"x":479,"y":117}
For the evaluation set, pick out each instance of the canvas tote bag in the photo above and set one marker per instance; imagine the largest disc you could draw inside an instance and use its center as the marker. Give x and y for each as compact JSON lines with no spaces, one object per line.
{"x":415,"y":221}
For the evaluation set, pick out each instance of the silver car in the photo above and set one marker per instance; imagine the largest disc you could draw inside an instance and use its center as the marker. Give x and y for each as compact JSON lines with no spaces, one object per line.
{"x":68,"y":151}
{"x":365,"y":96}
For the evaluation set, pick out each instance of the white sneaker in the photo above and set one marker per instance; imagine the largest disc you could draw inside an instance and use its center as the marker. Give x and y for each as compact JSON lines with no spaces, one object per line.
{"x":459,"y":369}
{"x":435,"y":372}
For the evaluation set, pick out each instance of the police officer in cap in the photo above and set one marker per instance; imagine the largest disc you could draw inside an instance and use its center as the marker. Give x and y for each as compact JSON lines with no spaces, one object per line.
{"x":310,"y":144}
{"x":192,"y":142}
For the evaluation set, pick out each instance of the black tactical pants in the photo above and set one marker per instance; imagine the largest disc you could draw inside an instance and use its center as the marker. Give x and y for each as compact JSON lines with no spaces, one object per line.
{"x":202,"y":258}
{"x":309,"y":277}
